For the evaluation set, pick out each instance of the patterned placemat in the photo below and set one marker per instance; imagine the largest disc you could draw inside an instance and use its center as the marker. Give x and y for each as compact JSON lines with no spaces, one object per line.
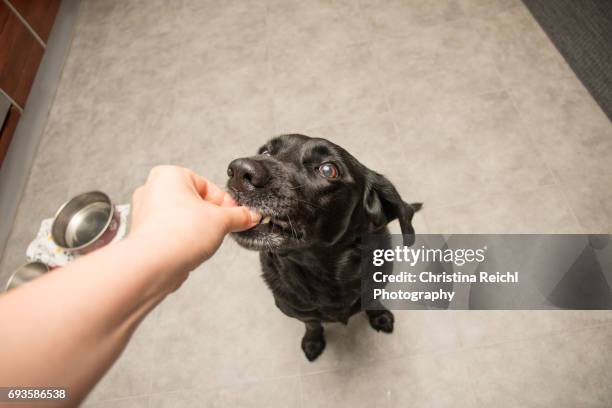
{"x":44,"y":250}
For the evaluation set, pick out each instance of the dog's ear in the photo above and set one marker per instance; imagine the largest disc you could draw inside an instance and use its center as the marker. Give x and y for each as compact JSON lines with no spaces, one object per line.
{"x":383,"y":204}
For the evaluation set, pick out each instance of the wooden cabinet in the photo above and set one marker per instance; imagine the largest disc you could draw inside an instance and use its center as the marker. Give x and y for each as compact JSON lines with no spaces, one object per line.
{"x":38,"y":14}
{"x":7,"y":130}
{"x":20,"y":54}
{"x":24,"y":30}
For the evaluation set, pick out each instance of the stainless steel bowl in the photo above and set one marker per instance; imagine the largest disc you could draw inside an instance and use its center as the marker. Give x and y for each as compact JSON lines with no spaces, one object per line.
{"x":25,"y":274}
{"x":85,"y":222}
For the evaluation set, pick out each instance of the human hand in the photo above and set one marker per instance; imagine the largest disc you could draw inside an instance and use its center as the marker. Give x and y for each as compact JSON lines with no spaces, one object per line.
{"x":184,"y":216}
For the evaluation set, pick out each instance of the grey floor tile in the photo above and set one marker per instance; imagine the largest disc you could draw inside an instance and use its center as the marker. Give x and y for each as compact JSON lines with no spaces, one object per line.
{"x":84,"y":62}
{"x":541,"y":211}
{"x":222,"y":34}
{"x":136,"y":19}
{"x":307,"y":28}
{"x":440,"y":381}
{"x":15,"y":252}
{"x":205,"y":288}
{"x":459,"y":76}
{"x":206,"y":347}
{"x":62,"y":143}
{"x":566,"y":370}
{"x":397,"y":18}
{"x":230,"y":90}
{"x":488,"y":8}
{"x":131,"y":375}
{"x":135,"y":402}
{"x":121,"y":150}
{"x":524,"y":61}
{"x":283,"y":392}
{"x":427,"y":48}
{"x":359,"y":346}
{"x":331,"y":87}
{"x":481,"y":328}
{"x":100,"y":11}
{"x":203,"y":326}
{"x":569,"y":130}
{"x":144,"y":71}
{"x":522,"y":52}
{"x":446,"y":166}
{"x":550,"y":99}
{"x":590,"y":197}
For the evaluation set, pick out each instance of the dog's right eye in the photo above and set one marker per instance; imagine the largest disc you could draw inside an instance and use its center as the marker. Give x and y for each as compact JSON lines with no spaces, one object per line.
{"x":328,"y":170}
{"x":266,"y":153}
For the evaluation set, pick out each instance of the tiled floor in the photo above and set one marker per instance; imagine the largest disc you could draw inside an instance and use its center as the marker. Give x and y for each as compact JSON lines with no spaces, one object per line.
{"x":464,"y":104}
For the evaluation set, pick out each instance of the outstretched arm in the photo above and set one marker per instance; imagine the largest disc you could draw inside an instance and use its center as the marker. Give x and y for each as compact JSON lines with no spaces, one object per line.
{"x":67,"y":328}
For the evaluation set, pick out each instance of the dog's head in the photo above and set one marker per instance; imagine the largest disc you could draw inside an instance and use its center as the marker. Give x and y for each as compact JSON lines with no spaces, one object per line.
{"x":312,"y":193}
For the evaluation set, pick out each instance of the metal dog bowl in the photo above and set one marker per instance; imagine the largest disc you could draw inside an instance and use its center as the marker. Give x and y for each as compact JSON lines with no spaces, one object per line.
{"x":85,"y":222}
{"x":25,"y":274}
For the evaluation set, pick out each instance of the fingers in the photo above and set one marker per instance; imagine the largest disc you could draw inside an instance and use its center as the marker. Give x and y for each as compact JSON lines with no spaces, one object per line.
{"x":228,"y":201}
{"x":210,"y":192}
{"x":206,"y":189}
{"x":240,"y":218}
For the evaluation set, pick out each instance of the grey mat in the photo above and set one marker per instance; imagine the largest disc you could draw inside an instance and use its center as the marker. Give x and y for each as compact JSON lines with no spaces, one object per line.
{"x":582,"y":31}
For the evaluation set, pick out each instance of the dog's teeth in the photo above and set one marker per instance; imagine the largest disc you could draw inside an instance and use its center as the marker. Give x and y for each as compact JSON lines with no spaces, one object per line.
{"x":266,"y":220}
{"x":283,"y":224}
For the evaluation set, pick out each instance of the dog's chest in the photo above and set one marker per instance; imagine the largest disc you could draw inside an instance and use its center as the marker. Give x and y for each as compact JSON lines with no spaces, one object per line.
{"x":321,"y":290}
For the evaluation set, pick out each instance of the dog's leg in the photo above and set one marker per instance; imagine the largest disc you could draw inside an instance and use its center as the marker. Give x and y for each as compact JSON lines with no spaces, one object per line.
{"x":381,"y":320}
{"x":313,"y":341}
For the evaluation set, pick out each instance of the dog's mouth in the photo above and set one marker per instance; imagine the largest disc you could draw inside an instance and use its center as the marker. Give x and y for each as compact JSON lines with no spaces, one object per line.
{"x":270,"y":225}
{"x":273,"y":232}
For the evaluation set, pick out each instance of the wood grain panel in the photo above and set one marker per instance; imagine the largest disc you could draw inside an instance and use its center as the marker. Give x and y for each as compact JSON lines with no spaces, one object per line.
{"x":40,"y":14}
{"x":10,"y":124}
{"x":20,"y":55}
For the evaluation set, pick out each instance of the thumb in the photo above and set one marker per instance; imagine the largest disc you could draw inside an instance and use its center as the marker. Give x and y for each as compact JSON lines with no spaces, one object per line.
{"x":240,"y":218}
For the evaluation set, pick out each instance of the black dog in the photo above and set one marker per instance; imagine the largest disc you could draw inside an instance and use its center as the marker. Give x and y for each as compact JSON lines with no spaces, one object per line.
{"x":316,"y":201}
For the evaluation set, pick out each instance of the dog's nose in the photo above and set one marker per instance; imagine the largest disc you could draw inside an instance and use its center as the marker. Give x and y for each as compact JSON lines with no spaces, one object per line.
{"x":247,"y":173}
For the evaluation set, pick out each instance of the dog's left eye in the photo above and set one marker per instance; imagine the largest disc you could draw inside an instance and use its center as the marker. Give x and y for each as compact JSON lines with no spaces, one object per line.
{"x":266,"y":153}
{"x":328,"y":170}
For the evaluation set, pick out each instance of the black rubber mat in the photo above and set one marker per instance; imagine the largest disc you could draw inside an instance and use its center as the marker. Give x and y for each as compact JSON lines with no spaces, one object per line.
{"x":582,"y":31}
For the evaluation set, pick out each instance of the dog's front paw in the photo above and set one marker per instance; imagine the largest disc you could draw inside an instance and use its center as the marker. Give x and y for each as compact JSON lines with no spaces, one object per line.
{"x":313,"y":347}
{"x":382,"y":321}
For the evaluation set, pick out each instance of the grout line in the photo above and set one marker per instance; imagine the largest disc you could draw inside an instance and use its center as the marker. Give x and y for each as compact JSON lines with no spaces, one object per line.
{"x":377,"y":68}
{"x":473,"y":348}
{"x":557,"y":181}
{"x":211,"y":389}
{"x":539,"y":336}
{"x":154,"y":342}
{"x":300,"y":378}
{"x":117,"y":399}
{"x":486,"y":194}
{"x":384,"y":90}
{"x":462,"y":348}
{"x":269,"y":76}
{"x":28,"y":26}
{"x":522,"y":125}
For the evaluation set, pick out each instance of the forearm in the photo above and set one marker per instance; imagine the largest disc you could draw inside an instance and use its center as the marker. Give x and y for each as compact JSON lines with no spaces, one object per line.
{"x":75,"y":321}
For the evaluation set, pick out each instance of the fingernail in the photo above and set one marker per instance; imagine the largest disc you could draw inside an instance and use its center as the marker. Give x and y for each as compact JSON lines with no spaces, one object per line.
{"x":255,"y":216}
